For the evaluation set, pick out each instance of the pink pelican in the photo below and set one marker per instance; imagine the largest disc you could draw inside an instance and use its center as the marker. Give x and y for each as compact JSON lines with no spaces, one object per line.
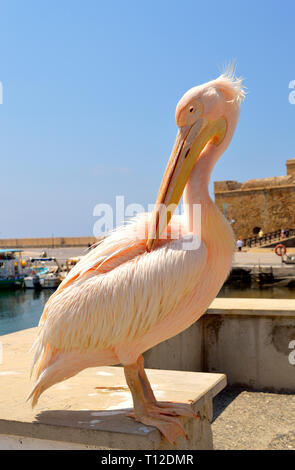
{"x":130,"y":293}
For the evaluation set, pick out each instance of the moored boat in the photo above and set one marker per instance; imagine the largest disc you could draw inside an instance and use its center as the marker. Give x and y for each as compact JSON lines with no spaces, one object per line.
{"x":11,"y":269}
{"x":44,"y":273}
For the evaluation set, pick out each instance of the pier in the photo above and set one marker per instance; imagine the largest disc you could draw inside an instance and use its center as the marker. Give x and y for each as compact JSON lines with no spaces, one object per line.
{"x":254,"y":265}
{"x":263,"y":267}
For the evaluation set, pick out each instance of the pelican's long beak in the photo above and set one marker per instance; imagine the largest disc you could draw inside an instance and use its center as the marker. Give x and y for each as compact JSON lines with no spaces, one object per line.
{"x":189,"y":143}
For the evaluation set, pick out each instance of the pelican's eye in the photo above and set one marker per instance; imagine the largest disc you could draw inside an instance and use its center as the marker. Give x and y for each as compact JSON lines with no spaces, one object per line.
{"x":191,"y":109}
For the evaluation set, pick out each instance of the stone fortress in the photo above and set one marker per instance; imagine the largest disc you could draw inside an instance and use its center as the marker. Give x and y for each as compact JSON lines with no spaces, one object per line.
{"x":266,"y":203}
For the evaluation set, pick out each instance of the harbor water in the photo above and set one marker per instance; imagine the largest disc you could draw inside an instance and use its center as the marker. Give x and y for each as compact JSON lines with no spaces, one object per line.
{"x":21,"y":309}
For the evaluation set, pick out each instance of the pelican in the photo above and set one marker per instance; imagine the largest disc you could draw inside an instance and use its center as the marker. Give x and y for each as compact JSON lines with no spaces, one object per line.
{"x":132,"y":292}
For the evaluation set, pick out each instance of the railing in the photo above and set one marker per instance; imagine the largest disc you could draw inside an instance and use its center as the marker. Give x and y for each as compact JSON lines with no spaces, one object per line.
{"x":270,"y":237}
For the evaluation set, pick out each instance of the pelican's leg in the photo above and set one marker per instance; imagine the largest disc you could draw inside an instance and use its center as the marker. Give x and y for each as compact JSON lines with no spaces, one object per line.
{"x":167,"y":408}
{"x":146,"y":386}
{"x":169,"y":426}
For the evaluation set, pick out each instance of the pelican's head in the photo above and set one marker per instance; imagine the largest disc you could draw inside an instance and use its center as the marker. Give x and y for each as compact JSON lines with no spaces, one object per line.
{"x":205,"y":115}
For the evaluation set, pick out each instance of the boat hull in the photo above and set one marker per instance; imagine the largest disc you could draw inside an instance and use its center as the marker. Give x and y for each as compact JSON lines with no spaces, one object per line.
{"x":32,"y":282}
{"x":11,"y":283}
{"x":42,"y":282}
{"x":49,"y":283}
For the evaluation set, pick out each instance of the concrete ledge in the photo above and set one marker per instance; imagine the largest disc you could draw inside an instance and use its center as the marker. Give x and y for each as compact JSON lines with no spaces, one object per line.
{"x":247,"y":339}
{"x":252,"y":306}
{"x":76,"y":415}
{"x":251,"y":341}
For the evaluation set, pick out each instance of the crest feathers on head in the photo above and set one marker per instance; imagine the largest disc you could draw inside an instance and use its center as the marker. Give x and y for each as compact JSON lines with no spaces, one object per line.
{"x":230,"y":84}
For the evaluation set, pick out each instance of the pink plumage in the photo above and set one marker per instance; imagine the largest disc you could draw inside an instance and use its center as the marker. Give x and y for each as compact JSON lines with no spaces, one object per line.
{"x":120,"y":299}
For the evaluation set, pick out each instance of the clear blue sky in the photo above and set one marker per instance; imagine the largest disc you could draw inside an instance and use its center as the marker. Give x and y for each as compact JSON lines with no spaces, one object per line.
{"x":89,"y":94}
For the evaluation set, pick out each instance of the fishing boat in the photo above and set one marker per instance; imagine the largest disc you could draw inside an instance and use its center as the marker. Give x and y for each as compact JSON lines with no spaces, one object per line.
{"x":11,"y":269}
{"x":44,"y":273}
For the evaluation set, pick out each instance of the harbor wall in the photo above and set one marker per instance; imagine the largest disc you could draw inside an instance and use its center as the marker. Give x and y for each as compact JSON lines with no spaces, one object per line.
{"x":49,"y":242}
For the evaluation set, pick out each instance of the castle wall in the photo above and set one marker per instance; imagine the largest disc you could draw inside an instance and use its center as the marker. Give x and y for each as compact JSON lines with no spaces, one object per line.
{"x":290,"y":165}
{"x":271,"y":208}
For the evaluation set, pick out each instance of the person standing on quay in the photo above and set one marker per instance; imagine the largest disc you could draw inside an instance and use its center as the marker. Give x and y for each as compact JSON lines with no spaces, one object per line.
{"x":239,"y":244}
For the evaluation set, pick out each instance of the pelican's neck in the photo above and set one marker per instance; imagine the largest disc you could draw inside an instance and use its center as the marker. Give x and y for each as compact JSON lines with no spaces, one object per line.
{"x":196,"y":190}
{"x":204,"y":219}
{"x":196,"y":196}
{"x":197,"y":193}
